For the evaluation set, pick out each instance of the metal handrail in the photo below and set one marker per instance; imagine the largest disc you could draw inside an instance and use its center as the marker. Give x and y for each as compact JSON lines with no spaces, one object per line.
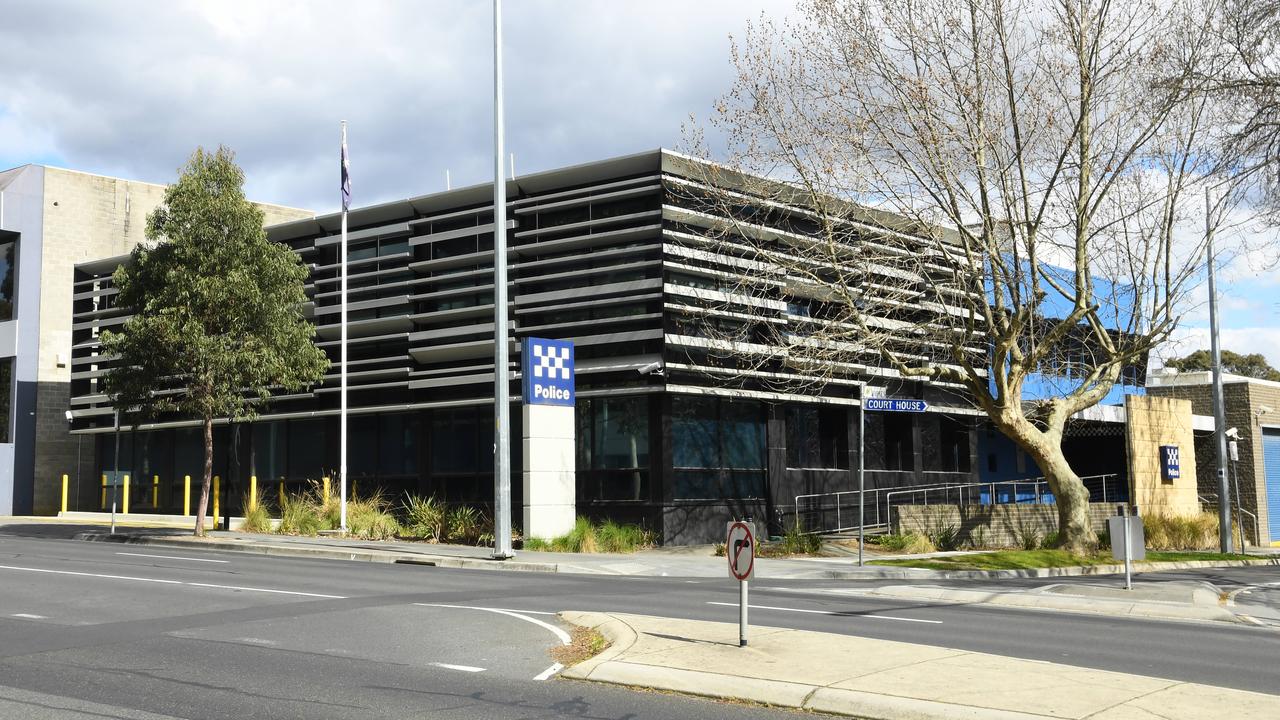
{"x":964,"y":492}
{"x":1212,"y":500}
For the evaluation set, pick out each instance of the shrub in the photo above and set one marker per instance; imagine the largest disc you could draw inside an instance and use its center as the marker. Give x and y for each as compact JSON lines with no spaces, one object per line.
{"x":1049,"y":541}
{"x":257,"y":517}
{"x":587,"y":537}
{"x":1026,"y":533}
{"x":1181,"y":532}
{"x":299,"y":516}
{"x":943,"y":533}
{"x":796,"y":542}
{"x":464,"y":524}
{"x":613,"y":537}
{"x":425,"y":518}
{"x":370,"y":518}
{"x":907,"y":543}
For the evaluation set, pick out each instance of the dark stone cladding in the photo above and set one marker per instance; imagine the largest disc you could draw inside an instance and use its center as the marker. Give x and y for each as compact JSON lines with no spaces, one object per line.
{"x":594,"y":251}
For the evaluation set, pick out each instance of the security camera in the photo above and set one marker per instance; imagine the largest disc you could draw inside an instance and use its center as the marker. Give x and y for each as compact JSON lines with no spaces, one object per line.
{"x":1265,"y":409}
{"x":1233,"y":433}
{"x":653,"y":368}
{"x":67,"y":415}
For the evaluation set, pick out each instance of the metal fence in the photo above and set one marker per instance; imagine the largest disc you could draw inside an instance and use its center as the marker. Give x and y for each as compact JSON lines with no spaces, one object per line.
{"x":838,"y":511}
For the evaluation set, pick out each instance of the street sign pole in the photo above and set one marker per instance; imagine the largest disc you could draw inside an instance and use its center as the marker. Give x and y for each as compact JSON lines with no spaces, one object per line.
{"x":862,"y":485}
{"x":740,"y":551}
{"x":1128,"y":555}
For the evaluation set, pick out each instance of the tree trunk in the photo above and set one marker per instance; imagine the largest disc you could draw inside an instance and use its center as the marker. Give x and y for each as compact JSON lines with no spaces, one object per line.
{"x":1075,"y":530}
{"x":203,"y":505}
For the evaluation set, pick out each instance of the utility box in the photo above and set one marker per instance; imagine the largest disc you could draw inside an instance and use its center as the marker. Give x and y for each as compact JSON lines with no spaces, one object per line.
{"x":1137,"y":539}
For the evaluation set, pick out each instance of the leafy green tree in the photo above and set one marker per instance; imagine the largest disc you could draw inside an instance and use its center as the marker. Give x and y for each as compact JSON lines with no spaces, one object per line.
{"x":1253,"y":365}
{"x":217,"y":325}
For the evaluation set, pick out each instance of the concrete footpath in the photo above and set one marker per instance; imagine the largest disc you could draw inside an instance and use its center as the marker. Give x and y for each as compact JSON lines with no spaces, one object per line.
{"x":867,"y":678}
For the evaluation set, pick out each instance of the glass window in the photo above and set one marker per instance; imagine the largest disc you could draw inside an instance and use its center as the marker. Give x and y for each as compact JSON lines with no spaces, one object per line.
{"x":817,"y":437}
{"x":453,"y":441}
{"x":889,"y":443}
{"x":718,"y":448}
{"x":362,"y":445}
{"x":6,"y":392}
{"x":694,"y":441}
{"x":944,"y":442}
{"x":269,"y":450}
{"x":397,"y":445}
{"x":7,"y":288}
{"x":307,"y":446}
{"x":620,"y":433}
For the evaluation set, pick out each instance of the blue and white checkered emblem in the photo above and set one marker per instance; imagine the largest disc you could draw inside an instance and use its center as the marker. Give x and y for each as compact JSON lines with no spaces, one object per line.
{"x":548,"y":371}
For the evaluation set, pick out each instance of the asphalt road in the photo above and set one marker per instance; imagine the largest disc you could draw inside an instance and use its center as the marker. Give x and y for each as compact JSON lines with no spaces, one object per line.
{"x":93,"y":630}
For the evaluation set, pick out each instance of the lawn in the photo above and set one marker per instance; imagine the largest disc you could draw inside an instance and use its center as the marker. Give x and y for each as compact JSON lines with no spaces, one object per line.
{"x":1030,"y":559}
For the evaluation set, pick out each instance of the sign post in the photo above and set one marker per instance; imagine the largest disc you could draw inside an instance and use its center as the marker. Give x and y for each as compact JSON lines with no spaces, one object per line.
{"x":878,"y":405}
{"x":549,"y":437}
{"x":740,"y":549}
{"x":1128,"y":541}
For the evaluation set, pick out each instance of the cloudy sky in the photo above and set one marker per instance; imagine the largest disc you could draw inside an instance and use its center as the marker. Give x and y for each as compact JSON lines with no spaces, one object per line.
{"x":128,"y":88}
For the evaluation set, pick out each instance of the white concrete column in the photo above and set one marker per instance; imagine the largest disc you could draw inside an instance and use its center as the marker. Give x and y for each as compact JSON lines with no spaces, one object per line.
{"x":549,"y":464}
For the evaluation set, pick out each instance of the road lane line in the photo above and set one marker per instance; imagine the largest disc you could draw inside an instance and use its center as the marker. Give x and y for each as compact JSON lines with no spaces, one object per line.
{"x":172,"y":557}
{"x":555,"y":668}
{"x":29,"y":616}
{"x":463,"y":668}
{"x":268,"y":590}
{"x":179,"y":582}
{"x":562,"y":635}
{"x":96,"y":575}
{"x":832,"y":612}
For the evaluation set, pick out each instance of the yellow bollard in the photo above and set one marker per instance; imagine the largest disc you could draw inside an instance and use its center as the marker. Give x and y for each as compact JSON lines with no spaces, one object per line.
{"x":325,"y":486}
{"x":124,"y":506}
{"x":216,"y":495}
{"x":253,"y":492}
{"x":64,"y":493}
{"x":186,"y":494}
{"x":155,"y":491}
{"x":282,"y":495}
{"x":104,"y":491}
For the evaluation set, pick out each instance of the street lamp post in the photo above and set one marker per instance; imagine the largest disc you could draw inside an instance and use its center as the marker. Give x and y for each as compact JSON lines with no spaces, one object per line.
{"x":1219,"y":413}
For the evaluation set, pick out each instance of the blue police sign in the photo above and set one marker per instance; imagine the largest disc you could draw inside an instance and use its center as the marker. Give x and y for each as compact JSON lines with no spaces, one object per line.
{"x":548,"y":371}
{"x":890,"y":405}
{"x":1170,"y":462}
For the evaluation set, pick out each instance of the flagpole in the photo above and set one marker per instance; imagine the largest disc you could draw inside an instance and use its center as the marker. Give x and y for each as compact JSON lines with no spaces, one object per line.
{"x":342,"y":393}
{"x":501,"y":380}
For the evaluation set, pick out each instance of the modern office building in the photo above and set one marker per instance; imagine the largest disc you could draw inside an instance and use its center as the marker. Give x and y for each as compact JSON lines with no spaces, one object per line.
{"x":612,"y":255}
{"x":50,"y":220}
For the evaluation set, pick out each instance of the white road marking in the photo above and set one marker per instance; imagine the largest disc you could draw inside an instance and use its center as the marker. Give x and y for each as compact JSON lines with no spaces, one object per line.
{"x":29,"y":616}
{"x":172,"y":557}
{"x":178,"y":582}
{"x":832,"y":612}
{"x":97,"y":575}
{"x":463,"y":668}
{"x":268,"y":590}
{"x":562,"y":635}
{"x":557,"y":667}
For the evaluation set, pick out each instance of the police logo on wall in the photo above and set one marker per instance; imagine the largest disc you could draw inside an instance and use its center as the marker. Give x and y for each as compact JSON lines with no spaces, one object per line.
{"x":1171,"y":463}
{"x":548,"y":371}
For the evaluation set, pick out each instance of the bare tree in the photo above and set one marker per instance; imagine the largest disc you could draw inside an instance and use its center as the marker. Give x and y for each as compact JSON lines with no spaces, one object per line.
{"x":968,"y":193}
{"x":1248,"y":77}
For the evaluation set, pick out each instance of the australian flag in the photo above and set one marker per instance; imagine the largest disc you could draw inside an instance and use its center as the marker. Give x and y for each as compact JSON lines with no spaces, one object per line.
{"x":346,"y":174}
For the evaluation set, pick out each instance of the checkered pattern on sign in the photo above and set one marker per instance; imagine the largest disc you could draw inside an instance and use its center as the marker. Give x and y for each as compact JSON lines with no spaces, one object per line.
{"x":550,"y":362}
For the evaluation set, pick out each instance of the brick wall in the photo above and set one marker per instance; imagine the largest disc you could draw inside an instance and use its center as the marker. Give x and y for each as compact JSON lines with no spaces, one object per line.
{"x":991,"y":525}
{"x":1150,"y":424}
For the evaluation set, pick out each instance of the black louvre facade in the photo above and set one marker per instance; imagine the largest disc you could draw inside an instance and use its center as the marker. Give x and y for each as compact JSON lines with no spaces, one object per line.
{"x":611,"y":255}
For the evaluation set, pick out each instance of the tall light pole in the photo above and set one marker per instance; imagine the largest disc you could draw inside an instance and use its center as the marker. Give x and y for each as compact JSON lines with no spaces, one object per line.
{"x":501,"y":379}
{"x":1219,"y":413}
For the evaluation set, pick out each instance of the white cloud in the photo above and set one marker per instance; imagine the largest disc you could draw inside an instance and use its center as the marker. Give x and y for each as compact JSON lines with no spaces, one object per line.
{"x":130,"y":88}
{"x":1243,"y":340}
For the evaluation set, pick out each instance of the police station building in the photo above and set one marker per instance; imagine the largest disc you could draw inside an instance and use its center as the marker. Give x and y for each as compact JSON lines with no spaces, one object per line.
{"x":607,"y":255}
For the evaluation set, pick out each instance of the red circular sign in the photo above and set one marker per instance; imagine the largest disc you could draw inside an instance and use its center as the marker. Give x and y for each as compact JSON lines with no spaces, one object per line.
{"x":740,"y":549}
